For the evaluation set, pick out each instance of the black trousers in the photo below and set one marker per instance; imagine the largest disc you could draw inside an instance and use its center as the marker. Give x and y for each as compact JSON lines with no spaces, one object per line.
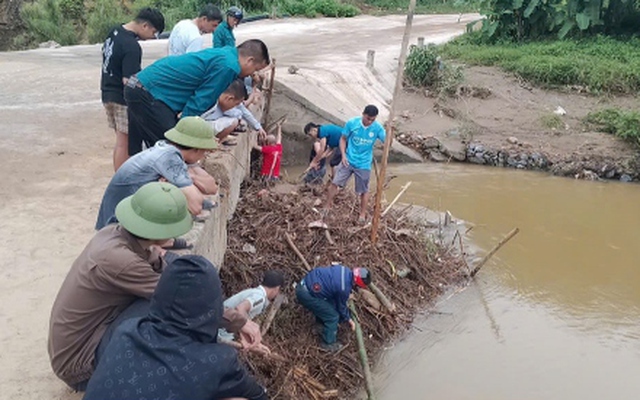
{"x":148,"y":118}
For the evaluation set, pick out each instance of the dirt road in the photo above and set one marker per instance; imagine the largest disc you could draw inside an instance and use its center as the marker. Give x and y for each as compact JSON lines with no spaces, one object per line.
{"x":55,"y":149}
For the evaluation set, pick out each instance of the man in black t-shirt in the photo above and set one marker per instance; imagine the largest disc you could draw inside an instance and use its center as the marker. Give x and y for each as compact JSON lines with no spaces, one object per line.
{"x":121,"y":58}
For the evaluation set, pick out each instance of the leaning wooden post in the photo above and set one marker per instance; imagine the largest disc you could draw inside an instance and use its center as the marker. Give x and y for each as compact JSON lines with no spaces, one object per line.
{"x":392,"y":112}
{"x":277,"y":303}
{"x":267,"y":107}
{"x":494,"y":250}
{"x":364,"y":359}
{"x":384,"y":300}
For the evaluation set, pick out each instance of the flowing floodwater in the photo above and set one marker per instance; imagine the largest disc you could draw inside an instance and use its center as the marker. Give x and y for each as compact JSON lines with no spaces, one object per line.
{"x":555,"y":314}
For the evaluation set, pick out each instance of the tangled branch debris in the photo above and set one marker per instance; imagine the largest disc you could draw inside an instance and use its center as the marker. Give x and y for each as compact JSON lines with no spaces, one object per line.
{"x":264,"y":219}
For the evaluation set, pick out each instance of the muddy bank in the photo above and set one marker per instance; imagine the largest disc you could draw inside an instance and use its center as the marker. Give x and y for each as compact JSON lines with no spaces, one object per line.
{"x":498,"y":120}
{"x":410,"y":270}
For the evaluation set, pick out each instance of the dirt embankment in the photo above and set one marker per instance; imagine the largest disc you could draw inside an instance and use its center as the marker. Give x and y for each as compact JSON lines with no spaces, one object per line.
{"x":497,"y":119}
{"x":10,"y":22}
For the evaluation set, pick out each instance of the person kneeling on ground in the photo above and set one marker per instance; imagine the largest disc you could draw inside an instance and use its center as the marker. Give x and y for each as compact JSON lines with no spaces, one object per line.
{"x":114,"y":276}
{"x":271,"y":156}
{"x":329,"y":138}
{"x":325,"y":291}
{"x":173,"y":349}
{"x":252,"y":302}
{"x":356,"y":146}
{"x":174,"y":161}
{"x":227,"y":114}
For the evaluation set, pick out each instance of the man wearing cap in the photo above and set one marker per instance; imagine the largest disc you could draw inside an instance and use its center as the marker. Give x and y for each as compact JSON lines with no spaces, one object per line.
{"x":252,"y":302}
{"x":223,"y":36}
{"x":325,"y":291}
{"x":174,"y":160}
{"x":114,"y":277}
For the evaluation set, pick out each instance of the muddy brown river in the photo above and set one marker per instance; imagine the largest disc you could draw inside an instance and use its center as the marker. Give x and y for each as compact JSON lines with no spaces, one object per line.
{"x":554,"y":315}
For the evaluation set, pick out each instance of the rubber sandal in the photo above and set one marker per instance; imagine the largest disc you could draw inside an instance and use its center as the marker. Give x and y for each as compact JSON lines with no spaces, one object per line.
{"x":179,"y":244}
{"x":229,"y":143}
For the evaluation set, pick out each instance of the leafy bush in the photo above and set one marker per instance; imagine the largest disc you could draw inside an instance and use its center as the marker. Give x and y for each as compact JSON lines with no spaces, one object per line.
{"x":596,"y":65}
{"x":624,"y":124}
{"x":524,"y":19}
{"x":104,"y":15}
{"x":427,"y":6}
{"x":45,"y":21}
{"x":425,"y":68}
{"x":313,"y":8}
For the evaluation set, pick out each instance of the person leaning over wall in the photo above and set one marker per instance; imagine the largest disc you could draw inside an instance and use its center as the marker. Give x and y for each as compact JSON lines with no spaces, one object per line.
{"x":113,"y":278}
{"x":184,"y":86}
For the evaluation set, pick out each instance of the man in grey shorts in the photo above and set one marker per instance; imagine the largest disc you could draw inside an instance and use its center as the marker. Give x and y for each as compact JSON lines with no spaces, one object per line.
{"x":356,"y":146}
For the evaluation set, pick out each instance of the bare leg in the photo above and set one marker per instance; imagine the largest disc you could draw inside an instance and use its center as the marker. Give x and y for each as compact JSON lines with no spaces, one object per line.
{"x":120,"y":150}
{"x":331,"y":193}
{"x":364,"y":200}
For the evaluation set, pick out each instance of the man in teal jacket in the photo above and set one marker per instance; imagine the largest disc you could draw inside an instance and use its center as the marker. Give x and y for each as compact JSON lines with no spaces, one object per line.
{"x":223,"y":36}
{"x":185,"y":85}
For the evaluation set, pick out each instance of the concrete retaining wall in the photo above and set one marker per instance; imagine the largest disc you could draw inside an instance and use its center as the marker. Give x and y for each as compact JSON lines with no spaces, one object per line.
{"x":229,"y":168}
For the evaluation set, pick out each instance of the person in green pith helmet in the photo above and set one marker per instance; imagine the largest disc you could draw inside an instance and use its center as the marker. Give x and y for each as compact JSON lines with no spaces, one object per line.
{"x":174,"y":160}
{"x":113,"y":278}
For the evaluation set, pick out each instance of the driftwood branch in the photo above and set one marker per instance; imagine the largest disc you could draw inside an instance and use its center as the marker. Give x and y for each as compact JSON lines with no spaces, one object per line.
{"x":362,"y":350}
{"x":277,"y":303}
{"x":493,"y":251}
{"x":395,"y":200}
{"x":295,"y":250}
{"x":261,"y":350}
{"x":383,"y":299}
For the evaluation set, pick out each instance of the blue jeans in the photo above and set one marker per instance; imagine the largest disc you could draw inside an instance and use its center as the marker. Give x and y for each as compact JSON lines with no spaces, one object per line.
{"x":324,"y":310}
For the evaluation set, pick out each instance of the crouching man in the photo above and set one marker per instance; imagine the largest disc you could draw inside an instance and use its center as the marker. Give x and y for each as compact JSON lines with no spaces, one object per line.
{"x":113,"y":278}
{"x":172,"y":351}
{"x":325,"y":291}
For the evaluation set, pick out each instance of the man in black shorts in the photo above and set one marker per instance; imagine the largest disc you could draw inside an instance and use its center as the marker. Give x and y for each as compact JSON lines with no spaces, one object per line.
{"x":121,"y":58}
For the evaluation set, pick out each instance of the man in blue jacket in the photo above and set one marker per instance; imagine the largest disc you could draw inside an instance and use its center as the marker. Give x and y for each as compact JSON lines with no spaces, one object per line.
{"x":223,"y":36}
{"x":325,"y":291}
{"x":185,"y":85}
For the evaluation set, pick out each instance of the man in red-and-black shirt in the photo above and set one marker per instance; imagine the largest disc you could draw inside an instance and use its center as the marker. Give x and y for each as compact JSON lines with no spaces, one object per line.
{"x":271,"y":155}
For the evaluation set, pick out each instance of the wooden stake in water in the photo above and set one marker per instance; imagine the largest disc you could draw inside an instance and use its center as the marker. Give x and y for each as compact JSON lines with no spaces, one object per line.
{"x":368,"y":380}
{"x":392,"y":112}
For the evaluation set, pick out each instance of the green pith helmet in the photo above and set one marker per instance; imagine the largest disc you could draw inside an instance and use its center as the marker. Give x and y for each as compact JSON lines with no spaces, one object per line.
{"x":156,"y":211}
{"x":193,"y":132}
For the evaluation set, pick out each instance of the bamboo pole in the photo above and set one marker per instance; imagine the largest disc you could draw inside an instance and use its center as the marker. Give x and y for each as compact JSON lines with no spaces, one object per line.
{"x":392,"y":112}
{"x":494,"y":250}
{"x":362,"y":350}
{"x":295,"y":250}
{"x":277,"y":303}
{"x":395,"y":200}
{"x":383,"y":299}
{"x":267,"y":107}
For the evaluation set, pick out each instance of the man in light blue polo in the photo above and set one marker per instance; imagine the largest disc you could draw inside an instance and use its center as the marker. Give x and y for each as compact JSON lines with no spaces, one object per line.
{"x":356,"y":146}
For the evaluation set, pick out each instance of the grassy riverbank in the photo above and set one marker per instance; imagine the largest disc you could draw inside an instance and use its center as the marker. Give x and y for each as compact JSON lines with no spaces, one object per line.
{"x":595,"y":65}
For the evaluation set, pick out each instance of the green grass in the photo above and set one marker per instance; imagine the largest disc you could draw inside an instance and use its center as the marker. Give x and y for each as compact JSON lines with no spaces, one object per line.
{"x":597,"y":64}
{"x":552,"y":121}
{"x":424,"y":6}
{"x":622,"y":123}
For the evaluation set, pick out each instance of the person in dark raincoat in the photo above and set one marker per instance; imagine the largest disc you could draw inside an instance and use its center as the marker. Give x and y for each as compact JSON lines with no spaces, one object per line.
{"x":172,"y":352}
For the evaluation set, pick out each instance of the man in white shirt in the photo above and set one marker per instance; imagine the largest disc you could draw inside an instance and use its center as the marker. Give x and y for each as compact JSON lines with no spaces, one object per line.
{"x":252,"y":302}
{"x":186,"y":36}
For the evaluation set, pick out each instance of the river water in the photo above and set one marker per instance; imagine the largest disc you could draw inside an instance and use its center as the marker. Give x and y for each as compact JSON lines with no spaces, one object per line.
{"x":555,"y":314}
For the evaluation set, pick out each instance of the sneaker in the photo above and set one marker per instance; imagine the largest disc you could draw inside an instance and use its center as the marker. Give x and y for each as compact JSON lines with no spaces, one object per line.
{"x":333,"y":347}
